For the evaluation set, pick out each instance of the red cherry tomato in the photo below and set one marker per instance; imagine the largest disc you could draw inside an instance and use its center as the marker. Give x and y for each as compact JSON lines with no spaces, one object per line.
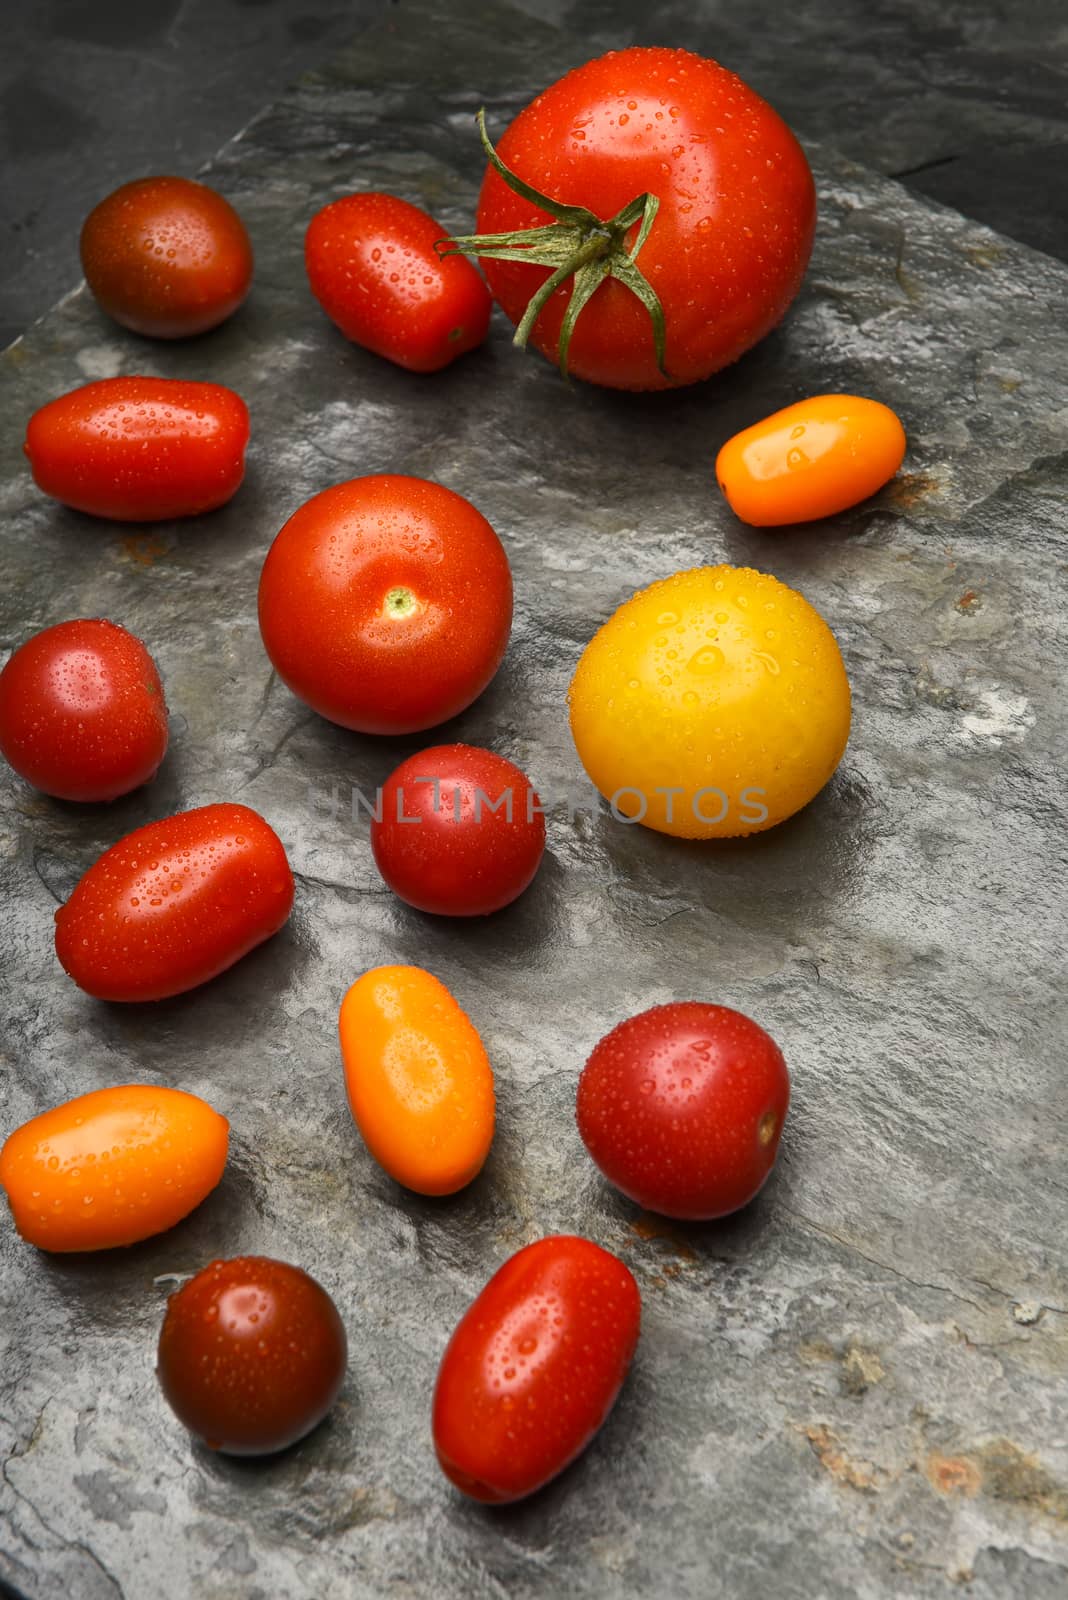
{"x":140,"y":449}
{"x":82,"y":714}
{"x":175,"y":903}
{"x":534,"y":1368}
{"x":459,"y":831}
{"x":166,"y":257}
{"x":373,"y":268}
{"x":729,"y":243}
{"x":252,"y":1355}
{"x":682,"y":1108}
{"x":386,"y":604}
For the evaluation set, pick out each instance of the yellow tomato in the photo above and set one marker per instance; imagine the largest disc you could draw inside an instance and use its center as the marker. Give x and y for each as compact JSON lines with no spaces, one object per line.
{"x":712,"y":704}
{"x":419,"y":1080}
{"x":810,"y":460}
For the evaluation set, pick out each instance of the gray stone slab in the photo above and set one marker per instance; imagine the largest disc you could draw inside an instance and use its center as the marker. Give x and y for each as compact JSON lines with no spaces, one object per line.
{"x":855,"y":1388}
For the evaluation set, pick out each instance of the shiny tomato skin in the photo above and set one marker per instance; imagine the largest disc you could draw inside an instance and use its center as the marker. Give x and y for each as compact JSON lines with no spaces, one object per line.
{"x":166,"y":257}
{"x":372,"y":266}
{"x":682,"y":1108}
{"x":418,"y":1079}
{"x":385,"y":603}
{"x":112,"y":1167}
{"x":140,"y":449}
{"x":175,"y":903}
{"x":534,"y":1368}
{"x":252,"y":1355}
{"x":732,"y":236}
{"x":810,"y":460}
{"x":82,"y":713}
{"x":448,"y":845}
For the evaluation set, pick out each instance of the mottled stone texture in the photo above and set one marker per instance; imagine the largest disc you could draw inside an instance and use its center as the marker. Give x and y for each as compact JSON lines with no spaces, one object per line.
{"x":856,"y":1388}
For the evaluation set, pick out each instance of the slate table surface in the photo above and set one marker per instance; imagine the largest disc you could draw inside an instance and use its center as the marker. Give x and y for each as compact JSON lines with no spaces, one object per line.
{"x":854,"y":1388}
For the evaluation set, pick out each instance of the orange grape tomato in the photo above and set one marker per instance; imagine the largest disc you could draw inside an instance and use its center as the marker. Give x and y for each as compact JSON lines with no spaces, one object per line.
{"x":419,"y":1081}
{"x":112,"y":1167}
{"x":810,"y":460}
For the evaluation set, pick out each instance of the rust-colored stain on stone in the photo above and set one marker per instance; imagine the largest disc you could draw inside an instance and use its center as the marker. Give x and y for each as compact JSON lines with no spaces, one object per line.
{"x":143,"y":548}
{"x":969,"y":601}
{"x":845,"y":1469}
{"x":909,"y":488}
{"x":1001,"y":1470}
{"x":648,"y":1227}
{"x":953,"y":1475}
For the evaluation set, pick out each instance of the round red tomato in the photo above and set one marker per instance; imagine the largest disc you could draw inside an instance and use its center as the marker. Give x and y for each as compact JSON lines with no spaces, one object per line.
{"x":386,"y":603}
{"x":82,"y":714}
{"x":682,"y":1108}
{"x":727,"y":247}
{"x":459,"y":831}
{"x":534,"y":1368}
{"x":252,"y":1355}
{"x":166,"y":257}
{"x":373,"y":268}
{"x":175,"y":903}
{"x":140,"y":449}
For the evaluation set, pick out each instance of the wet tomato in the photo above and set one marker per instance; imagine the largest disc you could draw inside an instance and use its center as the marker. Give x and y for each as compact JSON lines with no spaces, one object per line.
{"x":385,"y":603}
{"x":459,"y":831}
{"x":252,"y":1355}
{"x":682,"y":1108}
{"x":82,"y":713}
{"x":175,"y":903}
{"x":723,"y":254}
{"x":419,"y":1081}
{"x":810,"y":460}
{"x":112,"y":1167}
{"x":166,"y":257}
{"x":140,"y":449}
{"x":712,"y":704}
{"x":534,"y":1367}
{"x":373,"y":268}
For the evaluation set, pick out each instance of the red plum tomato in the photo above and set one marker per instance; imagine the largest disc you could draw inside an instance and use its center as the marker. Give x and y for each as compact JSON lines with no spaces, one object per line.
{"x":373,"y":268}
{"x":534,"y":1368}
{"x":140,"y":449}
{"x":175,"y":903}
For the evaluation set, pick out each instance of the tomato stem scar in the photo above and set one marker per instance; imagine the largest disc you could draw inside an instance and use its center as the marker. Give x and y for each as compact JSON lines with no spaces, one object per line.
{"x":400,"y":602}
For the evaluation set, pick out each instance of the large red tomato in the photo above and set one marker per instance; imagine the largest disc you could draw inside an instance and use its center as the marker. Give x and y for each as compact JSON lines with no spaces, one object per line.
{"x":727,"y":247}
{"x":82,"y":714}
{"x":385,"y":603}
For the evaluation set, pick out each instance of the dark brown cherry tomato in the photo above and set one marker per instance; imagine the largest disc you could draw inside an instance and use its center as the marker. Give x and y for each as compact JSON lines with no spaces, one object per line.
{"x":252,"y":1355}
{"x":166,"y":257}
{"x":373,"y":268}
{"x":385,"y":603}
{"x":459,"y":831}
{"x":82,"y":714}
{"x":175,"y":903}
{"x":534,"y":1367}
{"x":140,"y":449}
{"x":682,"y":1108}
